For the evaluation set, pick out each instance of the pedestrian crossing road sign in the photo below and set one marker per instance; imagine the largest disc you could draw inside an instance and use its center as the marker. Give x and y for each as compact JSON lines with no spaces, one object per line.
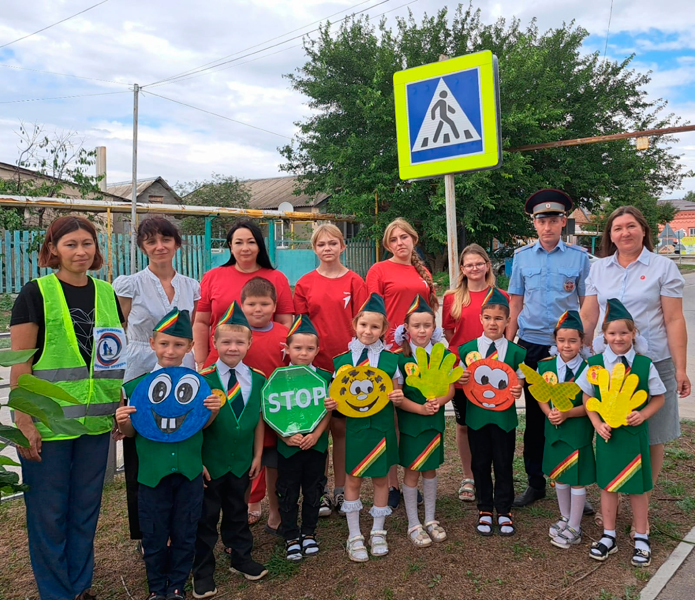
{"x":447,"y":117}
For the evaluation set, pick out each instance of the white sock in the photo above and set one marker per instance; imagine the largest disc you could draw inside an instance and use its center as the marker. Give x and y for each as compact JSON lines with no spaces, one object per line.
{"x":429,"y":488}
{"x":379,"y":513}
{"x":577,"y":508}
{"x":501,"y":520}
{"x":607,"y":542}
{"x":563,"y":498}
{"x":338,"y":490}
{"x":640,"y":542}
{"x":352,"y":510}
{"x":410,"y":499}
{"x":485,"y":520}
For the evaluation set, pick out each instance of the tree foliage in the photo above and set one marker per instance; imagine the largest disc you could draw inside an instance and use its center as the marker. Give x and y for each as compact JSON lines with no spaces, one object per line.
{"x":219,"y":190}
{"x":689,"y":196}
{"x":60,"y":158}
{"x":550,"y":89}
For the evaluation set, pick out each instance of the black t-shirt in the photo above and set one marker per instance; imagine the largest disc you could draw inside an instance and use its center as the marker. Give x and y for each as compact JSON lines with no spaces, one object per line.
{"x":28,"y":308}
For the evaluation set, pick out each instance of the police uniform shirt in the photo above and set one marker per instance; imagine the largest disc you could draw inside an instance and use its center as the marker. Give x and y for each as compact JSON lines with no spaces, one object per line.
{"x":639,"y":286}
{"x":610,"y":359}
{"x":243,"y":377}
{"x":551,"y":283}
{"x":573,"y":364}
{"x":501,"y":345}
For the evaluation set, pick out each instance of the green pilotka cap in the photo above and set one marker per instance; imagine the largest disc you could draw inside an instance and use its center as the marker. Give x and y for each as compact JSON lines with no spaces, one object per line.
{"x":495,"y":296}
{"x":616,"y":311}
{"x":234,"y":316}
{"x":570,"y":320}
{"x":176,"y":323}
{"x":419,"y":305}
{"x":375,"y":303}
{"x":302,"y":324}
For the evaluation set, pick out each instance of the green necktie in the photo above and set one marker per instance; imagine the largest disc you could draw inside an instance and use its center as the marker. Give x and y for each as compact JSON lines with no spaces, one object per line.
{"x":569,"y":376}
{"x":237,"y":401}
{"x":627,"y":364}
{"x":491,"y":350}
{"x":363,"y":357}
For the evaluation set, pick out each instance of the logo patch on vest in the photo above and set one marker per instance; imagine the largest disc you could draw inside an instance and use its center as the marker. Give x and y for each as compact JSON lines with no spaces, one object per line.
{"x":109,"y":348}
{"x":569,"y":285}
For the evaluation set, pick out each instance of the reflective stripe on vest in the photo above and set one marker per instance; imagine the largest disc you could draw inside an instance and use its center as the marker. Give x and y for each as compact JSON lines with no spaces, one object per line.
{"x":62,"y":364}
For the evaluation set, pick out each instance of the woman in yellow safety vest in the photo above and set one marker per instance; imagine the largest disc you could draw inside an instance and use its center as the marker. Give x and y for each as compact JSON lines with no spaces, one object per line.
{"x":75,"y":323}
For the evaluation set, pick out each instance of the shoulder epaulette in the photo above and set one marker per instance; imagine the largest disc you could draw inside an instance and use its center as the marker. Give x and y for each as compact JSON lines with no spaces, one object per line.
{"x":523,"y":248}
{"x":342,"y":354}
{"x":257,"y":371}
{"x":576,"y":247}
{"x":398,"y":350}
{"x":546,"y":359}
{"x":207,"y":370}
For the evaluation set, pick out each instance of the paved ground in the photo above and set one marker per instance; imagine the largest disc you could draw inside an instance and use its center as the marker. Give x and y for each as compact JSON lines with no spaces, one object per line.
{"x":682,"y":584}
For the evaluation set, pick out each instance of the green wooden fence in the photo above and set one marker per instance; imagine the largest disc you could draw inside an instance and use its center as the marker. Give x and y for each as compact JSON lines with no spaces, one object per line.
{"x":19,"y":258}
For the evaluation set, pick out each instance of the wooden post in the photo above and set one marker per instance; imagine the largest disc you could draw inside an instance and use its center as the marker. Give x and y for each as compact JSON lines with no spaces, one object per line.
{"x":108,"y":243}
{"x":451,"y":232}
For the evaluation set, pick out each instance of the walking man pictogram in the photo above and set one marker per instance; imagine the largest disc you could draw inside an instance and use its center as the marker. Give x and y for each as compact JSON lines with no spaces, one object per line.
{"x":443,"y":107}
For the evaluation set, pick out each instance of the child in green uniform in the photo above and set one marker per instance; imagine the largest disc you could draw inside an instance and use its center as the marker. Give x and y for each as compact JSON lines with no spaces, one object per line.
{"x":170,"y":494}
{"x":421,"y":426}
{"x":232,"y":449}
{"x":302,"y":457}
{"x":371,"y":445}
{"x":622,"y":454}
{"x":568,"y":456}
{"x":492,"y":434}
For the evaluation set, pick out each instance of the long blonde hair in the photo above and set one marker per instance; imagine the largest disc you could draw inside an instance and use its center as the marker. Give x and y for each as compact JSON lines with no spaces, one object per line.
{"x":462,"y":295}
{"x":415,"y":259}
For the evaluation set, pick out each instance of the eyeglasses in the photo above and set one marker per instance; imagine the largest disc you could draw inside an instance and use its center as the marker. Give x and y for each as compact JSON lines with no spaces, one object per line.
{"x":480,"y":265}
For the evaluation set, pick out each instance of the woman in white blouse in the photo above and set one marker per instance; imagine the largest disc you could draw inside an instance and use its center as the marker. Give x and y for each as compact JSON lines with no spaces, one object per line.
{"x":651,"y":288}
{"x":145,"y":298}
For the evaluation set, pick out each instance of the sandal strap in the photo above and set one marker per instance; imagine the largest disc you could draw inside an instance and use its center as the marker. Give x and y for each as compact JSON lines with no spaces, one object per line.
{"x":644,"y":541}
{"x":354,"y":540}
{"x":431,"y":524}
{"x":508,"y":523}
{"x":483,"y":513}
{"x":646,"y":554}
{"x":417,"y":528}
{"x":378,"y":533}
{"x":601,"y":547}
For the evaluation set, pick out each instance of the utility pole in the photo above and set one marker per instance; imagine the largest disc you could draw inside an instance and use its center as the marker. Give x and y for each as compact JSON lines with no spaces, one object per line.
{"x":134,"y":199}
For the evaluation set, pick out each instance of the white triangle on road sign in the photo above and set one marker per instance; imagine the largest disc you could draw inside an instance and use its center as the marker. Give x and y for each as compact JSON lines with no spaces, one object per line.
{"x":445,"y":123}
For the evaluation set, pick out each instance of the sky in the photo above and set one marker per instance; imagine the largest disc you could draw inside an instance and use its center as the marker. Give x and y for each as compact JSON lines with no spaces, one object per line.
{"x":121,"y":42}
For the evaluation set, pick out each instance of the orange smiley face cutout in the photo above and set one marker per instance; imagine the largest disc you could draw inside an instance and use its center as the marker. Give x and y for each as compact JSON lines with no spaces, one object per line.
{"x":490,"y":383}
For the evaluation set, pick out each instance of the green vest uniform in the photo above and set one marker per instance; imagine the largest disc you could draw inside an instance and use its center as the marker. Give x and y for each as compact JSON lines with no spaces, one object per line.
{"x":568,"y":456}
{"x":322,"y":444}
{"x":623,"y":463}
{"x":477,"y":417}
{"x":156,"y":460}
{"x":61,"y":363}
{"x":421,"y":439}
{"x":371,"y":444}
{"x":228,"y":443}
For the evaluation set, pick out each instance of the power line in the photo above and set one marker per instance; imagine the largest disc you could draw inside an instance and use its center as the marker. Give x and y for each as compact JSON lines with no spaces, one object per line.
{"x":189,"y":71}
{"x":62,"y":97}
{"x":63,"y":74}
{"x":217,"y":115}
{"x":608,"y":30}
{"x":219,"y":64}
{"x":24,"y":37}
{"x":193,"y":76}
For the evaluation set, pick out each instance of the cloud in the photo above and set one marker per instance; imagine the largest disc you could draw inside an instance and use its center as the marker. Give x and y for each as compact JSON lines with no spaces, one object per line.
{"x":133,"y":41}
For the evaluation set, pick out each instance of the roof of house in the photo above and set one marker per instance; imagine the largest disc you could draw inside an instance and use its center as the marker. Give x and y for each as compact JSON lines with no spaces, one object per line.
{"x":124,"y":189}
{"x":680,"y":205}
{"x":270,"y":193}
{"x":581,"y":216}
{"x":30,"y":173}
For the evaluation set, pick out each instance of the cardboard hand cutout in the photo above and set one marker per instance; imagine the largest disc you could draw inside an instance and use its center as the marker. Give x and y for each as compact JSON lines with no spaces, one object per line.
{"x":618,"y":396}
{"x":433,"y":378}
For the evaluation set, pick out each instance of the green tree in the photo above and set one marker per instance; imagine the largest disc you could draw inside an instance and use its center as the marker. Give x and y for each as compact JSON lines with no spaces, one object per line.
{"x":550,"y":90}
{"x":219,"y":190}
{"x":62,"y":161}
{"x":689,"y":196}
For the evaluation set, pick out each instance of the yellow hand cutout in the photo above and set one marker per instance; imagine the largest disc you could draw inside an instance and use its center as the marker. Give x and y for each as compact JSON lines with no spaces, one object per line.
{"x":561,"y":394}
{"x":618,"y":396}
{"x":433,"y":379}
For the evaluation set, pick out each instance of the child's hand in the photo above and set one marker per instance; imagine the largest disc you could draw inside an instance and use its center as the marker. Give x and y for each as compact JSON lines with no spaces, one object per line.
{"x":396,"y":396}
{"x":123,"y":415}
{"x":206,"y":476}
{"x":309,"y":441}
{"x":635,"y":418}
{"x":213,"y":403}
{"x":465,"y":377}
{"x":255,"y":469}
{"x":330,"y":404}
{"x":430,"y":407}
{"x":604,"y":430}
{"x":116,"y":435}
{"x":294,"y":440}
{"x":557,"y":417}
{"x":515,"y":391}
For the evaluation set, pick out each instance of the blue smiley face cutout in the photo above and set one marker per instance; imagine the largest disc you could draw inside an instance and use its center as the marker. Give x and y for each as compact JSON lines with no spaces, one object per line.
{"x":169,"y":405}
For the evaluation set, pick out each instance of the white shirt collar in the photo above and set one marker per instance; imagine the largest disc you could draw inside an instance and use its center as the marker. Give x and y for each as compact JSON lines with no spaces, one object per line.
{"x":311,"y":366}
{"x":428,"y":348}
{"x":356,"y":346}
{"x":644,"y":258}
{"x":614,"y":358}
{"x":157,"y":367}
{"x":560,"y":246}
{"x":224,"y":369}
{"x":572,"y":364}
{"x":499,"y":342}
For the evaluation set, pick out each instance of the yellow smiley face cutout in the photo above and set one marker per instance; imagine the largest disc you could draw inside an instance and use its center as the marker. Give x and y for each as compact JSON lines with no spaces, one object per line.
{"x":472,"y":357}
{"x":411,"y":369}
{"x":360,"y":391}
{"x":221,"y":395}
{"x":550,"y":377}
{"x":592,"y":374}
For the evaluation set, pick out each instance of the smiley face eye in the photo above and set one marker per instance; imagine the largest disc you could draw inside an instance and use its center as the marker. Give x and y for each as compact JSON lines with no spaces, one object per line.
{"x":483,"y":375}
{"x":186,"y":389}
{"x":498,"y":379}
{"x":159,"y":388}
{"x":359,"y":387}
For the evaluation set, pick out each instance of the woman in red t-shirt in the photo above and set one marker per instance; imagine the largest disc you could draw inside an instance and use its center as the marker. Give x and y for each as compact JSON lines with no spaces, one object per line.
{"x":332,"y":295}
{"x":222,"y":285}
{"x":461,"y":324}
{"x":398,"y":280}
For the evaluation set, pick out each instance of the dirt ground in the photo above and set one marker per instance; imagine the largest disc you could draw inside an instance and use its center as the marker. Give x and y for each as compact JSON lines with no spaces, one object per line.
{"x":466,"y":565}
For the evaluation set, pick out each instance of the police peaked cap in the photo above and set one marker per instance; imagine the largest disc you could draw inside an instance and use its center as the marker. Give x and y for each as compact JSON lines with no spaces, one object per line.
{"x":548,"y":203}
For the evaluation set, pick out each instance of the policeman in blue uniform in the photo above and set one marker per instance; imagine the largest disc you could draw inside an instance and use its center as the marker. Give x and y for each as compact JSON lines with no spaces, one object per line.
{"x":547,"y":279}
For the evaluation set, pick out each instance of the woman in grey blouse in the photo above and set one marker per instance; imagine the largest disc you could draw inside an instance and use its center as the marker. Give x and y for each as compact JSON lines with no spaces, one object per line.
{"x":651,"y":288}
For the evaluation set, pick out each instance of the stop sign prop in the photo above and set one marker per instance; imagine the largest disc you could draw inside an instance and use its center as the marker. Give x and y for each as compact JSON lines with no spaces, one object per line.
{"x":293,"y":400}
